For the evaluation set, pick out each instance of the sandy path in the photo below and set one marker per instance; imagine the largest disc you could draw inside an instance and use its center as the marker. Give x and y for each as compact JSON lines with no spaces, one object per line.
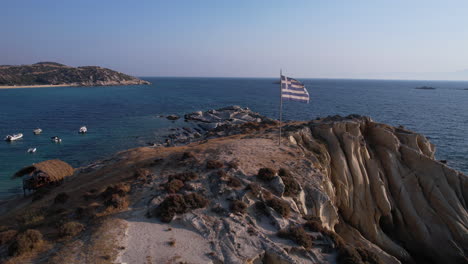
{"x":148,"y":241}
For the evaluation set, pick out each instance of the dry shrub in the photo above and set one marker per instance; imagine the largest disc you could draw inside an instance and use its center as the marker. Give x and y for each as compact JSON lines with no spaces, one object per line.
{"x":298,"y":235}
{"x":121,"y":189}
{"x":348,"y":255}
{"x":238,"y":207}
{"x":195,"y":201}
{"x":70,"y":229}
{"x":221,"y":174}
{"x":172,"y":205}
{"x":314,"y":226}
{"x":280,"y":206}
{"x":292,"y":187}
{"x":254,"y":188}
{"x":83,"y":212}
{"x":142,"y":174}
{"x":187,"y":155}
{"x":234,"y":182}
{"x":233,"y":165}
{"x":284,"y":172}
{"x":179,"y":204}
{"x":7,"y":236}
{"x":266,"y":174}
{"x":25,"y":242}
{"x":61,"y":198}
{"x":214,"y":164}
{"x":184,"y":176}
{"x":174,"y":186}
{"x":116,"y":201}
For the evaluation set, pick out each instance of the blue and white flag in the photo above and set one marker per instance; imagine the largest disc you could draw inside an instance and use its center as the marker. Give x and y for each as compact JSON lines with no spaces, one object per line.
{"x":293,"y":90}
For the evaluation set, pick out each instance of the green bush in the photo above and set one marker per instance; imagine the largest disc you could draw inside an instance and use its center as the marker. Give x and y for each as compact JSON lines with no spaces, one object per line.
{"x":266,"y":174}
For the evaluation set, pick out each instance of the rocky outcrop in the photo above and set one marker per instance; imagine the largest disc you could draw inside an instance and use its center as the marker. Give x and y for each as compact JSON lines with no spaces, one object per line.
{"x":337,"y":190}
{"x":386,"y":188}
{"x":51,"y":73}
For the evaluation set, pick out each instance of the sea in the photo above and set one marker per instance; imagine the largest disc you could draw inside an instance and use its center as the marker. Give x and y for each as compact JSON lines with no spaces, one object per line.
{"x":123,"y":117}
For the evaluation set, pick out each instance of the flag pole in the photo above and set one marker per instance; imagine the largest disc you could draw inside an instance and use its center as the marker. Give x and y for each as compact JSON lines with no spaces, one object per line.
{"x":280,"y":109}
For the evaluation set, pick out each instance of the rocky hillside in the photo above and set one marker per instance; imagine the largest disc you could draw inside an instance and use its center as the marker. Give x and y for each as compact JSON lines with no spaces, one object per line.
{"x":51,"y":73}
{"x":338,"y":190}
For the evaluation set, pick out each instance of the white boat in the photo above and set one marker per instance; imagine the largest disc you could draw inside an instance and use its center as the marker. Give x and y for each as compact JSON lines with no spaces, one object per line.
{"x":83,"y":130}
{"x":13,"y":137}
{"x":37,"y":131}
{"x":32,"y":150}
{"x":56,"y":139}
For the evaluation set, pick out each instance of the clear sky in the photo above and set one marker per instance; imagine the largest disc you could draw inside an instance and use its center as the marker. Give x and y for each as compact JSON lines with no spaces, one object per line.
{"x":404,"y":39}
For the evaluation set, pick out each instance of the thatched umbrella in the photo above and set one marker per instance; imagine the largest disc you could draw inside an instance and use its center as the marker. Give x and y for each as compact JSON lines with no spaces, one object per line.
{"x":44,"y":173}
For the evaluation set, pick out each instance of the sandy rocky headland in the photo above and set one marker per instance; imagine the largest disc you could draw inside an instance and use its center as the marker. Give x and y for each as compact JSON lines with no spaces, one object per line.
{"x":338,"y":190}
{"x":52,"y":74}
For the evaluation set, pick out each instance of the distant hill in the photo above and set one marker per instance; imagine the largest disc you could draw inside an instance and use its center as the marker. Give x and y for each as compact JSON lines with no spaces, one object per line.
{"x":52,"y":73}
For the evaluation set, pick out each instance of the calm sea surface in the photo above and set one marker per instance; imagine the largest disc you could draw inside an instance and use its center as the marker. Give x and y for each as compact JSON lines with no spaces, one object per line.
{"x":122,"y":117}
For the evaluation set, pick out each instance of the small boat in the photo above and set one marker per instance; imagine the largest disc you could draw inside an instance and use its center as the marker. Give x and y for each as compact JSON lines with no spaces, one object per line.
{"x":32,"y":150}
{"x":13,"y":137}
{"x":37,"y":131}
{"x":56,"y":139}
{"x":83,"y":130}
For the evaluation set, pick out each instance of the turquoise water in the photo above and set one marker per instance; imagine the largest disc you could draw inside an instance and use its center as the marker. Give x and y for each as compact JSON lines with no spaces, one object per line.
{"x":121,"y":117}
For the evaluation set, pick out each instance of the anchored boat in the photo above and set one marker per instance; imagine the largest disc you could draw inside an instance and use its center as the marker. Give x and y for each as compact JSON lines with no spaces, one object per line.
{"x":37,"y":131}
{"x":56,"y":139}
{"x":32,"y":150}
{"x":13,"y":137}
{"x":83,"y":130}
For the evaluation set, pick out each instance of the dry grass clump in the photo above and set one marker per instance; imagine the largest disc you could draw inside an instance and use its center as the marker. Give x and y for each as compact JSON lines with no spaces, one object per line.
{"x":184,"y":176}
{"x":25,"y":242}
{"x":179,"y":204}
{"x":214,"y":164}
{"x":7,"y":236}
{"x":261,"y":208}
{"x":61,"y":198}
{"x":31,"y":218}
{"x":84,"y":212}
{"x":298,"y":235}
{"x":280,"y":206}
{"x":174,"y":186}
{"x":292,"y":187}
{"x":238,"y":207}
{"x":70,"y":229}
{"x":266,"y":174}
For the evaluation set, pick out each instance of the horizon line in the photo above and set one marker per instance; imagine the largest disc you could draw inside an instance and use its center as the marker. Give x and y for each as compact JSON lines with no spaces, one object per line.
{"x":315,"y":78}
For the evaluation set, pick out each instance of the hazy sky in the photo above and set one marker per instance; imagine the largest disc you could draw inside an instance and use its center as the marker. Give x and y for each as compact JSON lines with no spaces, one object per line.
{"x":331,"y":39}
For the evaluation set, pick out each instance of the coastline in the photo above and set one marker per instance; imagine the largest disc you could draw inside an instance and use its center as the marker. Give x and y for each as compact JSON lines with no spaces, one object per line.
{"x":36,"y":86}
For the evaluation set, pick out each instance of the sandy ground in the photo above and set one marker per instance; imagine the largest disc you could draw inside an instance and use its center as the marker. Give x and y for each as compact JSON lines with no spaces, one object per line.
{"x":149,"y":241}
{"x":35,"y":86}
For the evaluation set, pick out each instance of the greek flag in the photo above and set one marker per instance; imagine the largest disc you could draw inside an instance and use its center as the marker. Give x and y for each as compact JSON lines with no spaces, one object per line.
{"x":293,"y":90}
